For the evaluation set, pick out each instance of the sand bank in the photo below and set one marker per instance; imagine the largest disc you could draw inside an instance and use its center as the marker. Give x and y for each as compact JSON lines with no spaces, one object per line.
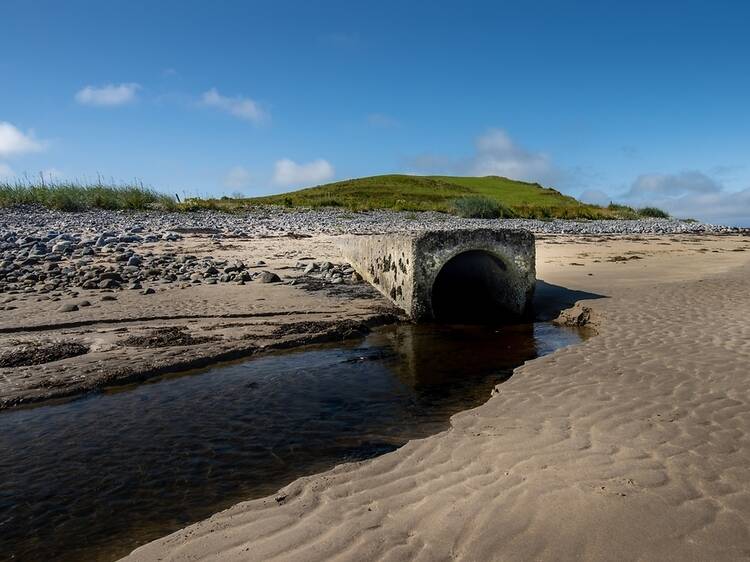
{"x":632,"y":446}
{"x":121,"y":331}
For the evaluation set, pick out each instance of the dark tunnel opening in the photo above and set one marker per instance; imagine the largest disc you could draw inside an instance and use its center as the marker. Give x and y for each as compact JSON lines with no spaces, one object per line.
{"x":472,"y":287}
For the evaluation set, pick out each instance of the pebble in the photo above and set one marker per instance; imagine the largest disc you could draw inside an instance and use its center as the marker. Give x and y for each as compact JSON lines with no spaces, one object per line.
{"x":46,"y":252}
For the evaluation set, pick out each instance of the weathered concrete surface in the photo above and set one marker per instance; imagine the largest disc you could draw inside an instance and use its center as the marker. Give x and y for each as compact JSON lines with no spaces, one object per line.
{"x":430,"y":274}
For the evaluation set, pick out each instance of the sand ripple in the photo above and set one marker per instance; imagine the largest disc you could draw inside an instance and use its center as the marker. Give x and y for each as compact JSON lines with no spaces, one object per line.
{"x":632,"y":446}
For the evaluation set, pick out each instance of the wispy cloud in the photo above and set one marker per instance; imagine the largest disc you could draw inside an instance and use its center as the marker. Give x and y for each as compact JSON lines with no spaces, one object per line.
{"x":649,"y":186}
{"x":288,"y":173}
{"x":238,"y":106}
{"x":14,"y":142}
{"x":689,"y":193}
{"x":498,"y":155}
{"x":383,"y":121}
{"x":495,"y":154}
{"x":111,"y":95}
{"x":237,"y":178}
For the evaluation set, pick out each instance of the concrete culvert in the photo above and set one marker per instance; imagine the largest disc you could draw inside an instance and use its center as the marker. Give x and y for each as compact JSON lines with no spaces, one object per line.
{"x":472,"y":287}
{"x":449,"y":274}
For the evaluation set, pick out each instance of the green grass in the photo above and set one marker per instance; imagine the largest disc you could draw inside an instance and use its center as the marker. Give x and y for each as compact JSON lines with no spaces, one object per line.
{"x":480,"y":197}
{"x":448,"y":194}
{"x":480,"y":207}
{"x":653,"y":212}
{"x":68,"y":196}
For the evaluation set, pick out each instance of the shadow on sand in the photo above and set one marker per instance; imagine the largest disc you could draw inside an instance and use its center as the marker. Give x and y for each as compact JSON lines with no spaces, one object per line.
{"x":550,"y":300}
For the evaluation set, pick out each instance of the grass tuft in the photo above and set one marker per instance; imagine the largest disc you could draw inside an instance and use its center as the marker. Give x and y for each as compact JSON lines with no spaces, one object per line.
{"x":480,"y":207}
{"x":653,"y":212}
{"x":71,"y":196}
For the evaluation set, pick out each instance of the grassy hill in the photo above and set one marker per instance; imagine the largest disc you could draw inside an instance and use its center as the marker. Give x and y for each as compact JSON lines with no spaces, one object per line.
{"x":467,"y":196}
{"x":483,"y":197}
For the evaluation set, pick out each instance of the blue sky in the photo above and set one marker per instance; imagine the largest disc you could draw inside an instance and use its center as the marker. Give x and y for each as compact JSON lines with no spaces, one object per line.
{"x":640,"y":102}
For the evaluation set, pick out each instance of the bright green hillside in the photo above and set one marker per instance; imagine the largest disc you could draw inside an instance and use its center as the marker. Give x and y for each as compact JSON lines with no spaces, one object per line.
{"x":461,"y":195}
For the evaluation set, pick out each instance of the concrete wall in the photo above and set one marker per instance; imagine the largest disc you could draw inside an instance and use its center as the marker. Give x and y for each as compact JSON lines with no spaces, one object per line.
{"x":385,"y":261}
{"x":404,"y":266}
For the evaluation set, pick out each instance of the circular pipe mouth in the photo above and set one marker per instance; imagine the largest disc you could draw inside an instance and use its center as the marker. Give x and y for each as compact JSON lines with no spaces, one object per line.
{"x":473,"y":287}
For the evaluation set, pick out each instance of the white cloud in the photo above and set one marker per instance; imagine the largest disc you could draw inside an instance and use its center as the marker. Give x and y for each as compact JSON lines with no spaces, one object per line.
{"x":382,"y":121}
{"x":498,"y":155}
{"x":14,"y":142}
{"x":6,"y":172}
{"x":288,"y":173}
{"x":730,"y":207}
{"x":237,"y":178}
{"x":108,"y":96}
{"x":595,"y":197}
{"x":672,"y":185}
{"x":691,"y":194}
{"x":241,"y":107}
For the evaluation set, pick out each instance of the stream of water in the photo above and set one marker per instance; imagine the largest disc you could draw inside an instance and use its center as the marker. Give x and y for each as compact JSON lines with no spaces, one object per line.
{"x":93,"y":478}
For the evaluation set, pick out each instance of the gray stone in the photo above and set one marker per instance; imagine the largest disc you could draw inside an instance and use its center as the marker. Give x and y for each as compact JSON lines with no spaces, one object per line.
{"x":269,"y":277}
{"x":109,"y":284}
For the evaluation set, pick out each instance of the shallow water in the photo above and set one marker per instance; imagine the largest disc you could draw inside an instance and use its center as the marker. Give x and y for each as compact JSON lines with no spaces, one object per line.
{"x":93,"y":478}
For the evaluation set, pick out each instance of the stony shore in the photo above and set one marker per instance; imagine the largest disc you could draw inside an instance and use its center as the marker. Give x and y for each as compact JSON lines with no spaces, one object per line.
{"x":103,"y":298}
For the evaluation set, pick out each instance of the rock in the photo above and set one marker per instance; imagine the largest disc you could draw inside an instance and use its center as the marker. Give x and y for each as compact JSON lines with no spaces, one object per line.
{"x":148,"y":291}
{"x":109,"y":298}
{"x":61,"y":247}
{"x":578,"y":316}
{"x":68,"y":308}
{"x":109,"y":284}
{"x":84,"y":303}
{"x":269,"y":277}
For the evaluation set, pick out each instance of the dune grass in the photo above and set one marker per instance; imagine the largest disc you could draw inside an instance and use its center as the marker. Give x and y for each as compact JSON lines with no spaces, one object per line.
{"x":70,"y":196}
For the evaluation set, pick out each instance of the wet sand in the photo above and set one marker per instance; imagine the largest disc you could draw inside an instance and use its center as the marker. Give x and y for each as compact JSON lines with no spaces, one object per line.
{"x":634,"y":445}
{"x":208,"y":323}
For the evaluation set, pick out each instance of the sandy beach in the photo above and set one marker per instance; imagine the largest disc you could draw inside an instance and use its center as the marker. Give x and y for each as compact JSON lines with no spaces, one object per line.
{"x":630,"y":446}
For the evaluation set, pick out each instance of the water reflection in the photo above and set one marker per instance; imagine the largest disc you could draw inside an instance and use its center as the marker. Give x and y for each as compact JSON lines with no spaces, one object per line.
{"x":93,"y":478}
{"x":442,"y":354}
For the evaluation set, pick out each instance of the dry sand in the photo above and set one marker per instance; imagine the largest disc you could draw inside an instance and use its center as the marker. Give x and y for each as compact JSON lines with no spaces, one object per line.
{"x":634,"y":445}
